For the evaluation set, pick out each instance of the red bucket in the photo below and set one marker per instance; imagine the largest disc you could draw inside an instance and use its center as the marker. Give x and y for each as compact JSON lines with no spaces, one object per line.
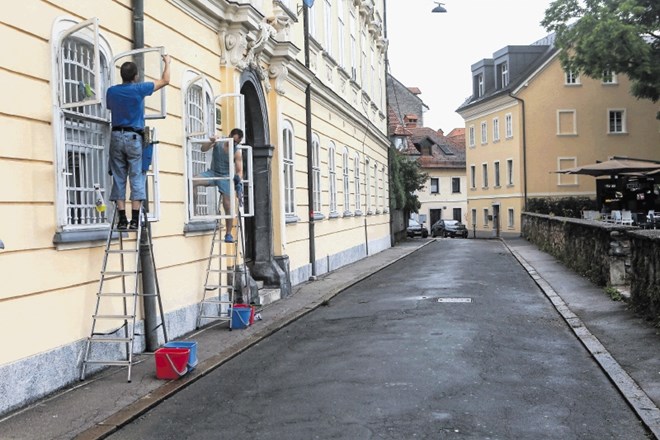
{"x":171,"y":363}
{"x":251,"y":311}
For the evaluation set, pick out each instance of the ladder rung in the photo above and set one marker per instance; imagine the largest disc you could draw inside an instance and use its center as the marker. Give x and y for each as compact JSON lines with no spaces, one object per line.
{"x":223,"y":318}
{"x":95,"y":338}
{"x":127,"y":295}
{"x":123,"y":273}
{"x":215,"y":287}
{"x":221,"y":271}
{"x":122,"y":251}
{"x":113,"y":317}
{"x":216,"y":301}
{"x":108,"y":362}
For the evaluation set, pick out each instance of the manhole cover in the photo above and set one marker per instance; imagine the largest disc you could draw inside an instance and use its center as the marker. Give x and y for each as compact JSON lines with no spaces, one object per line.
{"x":454,"y":300}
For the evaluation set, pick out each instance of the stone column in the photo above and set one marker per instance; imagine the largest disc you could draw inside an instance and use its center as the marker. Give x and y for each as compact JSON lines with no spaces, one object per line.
{"x":265,"y":267}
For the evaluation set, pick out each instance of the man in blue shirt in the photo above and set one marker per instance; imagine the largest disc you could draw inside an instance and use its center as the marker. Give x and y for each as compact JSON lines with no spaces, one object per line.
{"x":126,"y":102}
{"x":218,"y":174}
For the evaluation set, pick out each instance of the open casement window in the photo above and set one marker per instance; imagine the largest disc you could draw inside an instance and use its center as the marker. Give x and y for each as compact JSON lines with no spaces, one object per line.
{"x":204,"y":116}
{"x":152,"y":69}
{"x":81,"y":125}
{"x":79,"y":62}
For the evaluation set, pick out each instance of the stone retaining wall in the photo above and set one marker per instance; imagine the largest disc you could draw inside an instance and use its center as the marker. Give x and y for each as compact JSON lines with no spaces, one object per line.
{"x":607,"y":254}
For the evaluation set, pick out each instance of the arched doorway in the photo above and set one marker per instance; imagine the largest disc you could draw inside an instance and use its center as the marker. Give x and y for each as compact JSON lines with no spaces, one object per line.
{"x":264,"y":266}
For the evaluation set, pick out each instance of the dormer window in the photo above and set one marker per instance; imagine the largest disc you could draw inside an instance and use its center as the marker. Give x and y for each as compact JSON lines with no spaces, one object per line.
{"x":480,"y":85}
{"x":504,"y":74}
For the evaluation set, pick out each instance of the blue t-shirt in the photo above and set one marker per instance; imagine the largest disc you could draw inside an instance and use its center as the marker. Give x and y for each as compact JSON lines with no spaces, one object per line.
{"x":220,"y":159}
{"x":126,"y":101}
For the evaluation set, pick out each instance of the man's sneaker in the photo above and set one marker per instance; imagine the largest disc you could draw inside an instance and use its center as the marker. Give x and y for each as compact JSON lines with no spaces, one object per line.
{"x":133,"y":224}
{"x":122,"y":224}
{"x":229,"y":238}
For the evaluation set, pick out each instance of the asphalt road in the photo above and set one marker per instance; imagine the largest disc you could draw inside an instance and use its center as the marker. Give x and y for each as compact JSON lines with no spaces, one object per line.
{"x":387,"y":360}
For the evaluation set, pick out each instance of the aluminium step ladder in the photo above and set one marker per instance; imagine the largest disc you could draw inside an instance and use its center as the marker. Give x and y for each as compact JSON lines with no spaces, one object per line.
{"x":224,"y":271}
{"x":118,"y":296}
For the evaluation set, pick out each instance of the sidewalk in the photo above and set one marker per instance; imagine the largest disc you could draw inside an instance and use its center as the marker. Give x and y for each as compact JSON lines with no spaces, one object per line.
{"x":624,"y":345}
{"x":94,"y":408}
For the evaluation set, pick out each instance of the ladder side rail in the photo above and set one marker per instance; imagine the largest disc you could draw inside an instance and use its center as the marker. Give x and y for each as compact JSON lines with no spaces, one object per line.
{"x":88,"y":344}
{"x":153,"y":263}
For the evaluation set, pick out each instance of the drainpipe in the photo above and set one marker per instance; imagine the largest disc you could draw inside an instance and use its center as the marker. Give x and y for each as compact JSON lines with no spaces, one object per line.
{"x":146,"y":264}
{"x":308,"y":134}
{"x":524,"y":145}
{"x":387,"y":109}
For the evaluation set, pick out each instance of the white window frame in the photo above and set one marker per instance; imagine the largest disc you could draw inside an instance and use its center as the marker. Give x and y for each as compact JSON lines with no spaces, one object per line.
{"x":353,"y":44}
{"x":312,"y":20}
{"x":563,"y":165}
{"x":341,"y":33}
{"x":332,"y":176}
{"x":504,"y":72}
{"x":511,"y":218}
{"x":509,"y":172}
{"x":289,"y":169}
{"x":473,"y":176}
{"x":357,"y":184}
{"x":484,"y":175}
{"x":160,"y":52}
{"x":88,"y":117}
{"x":328,"y":26}
{"x":609,"y":77}
{"x":437,"y":185}
{"x":386,"y":206}
{"x":571,"y":79}
{"x":484,"y":132}
{"x":508,"y":126}
{"x":363,"y":48}
{"x":346,"y":183}
{"x":496,"y":172}
{"x":480,"y":85}
{"x":559,"y":128}
{"x":496,"y":129}
{"x":316,"y":174}
{"x":454,"y":179}
{"x":622,"y":111}
{"x":471,"y":136}
{"x":367,"y":183}
{"x":376,"y":198}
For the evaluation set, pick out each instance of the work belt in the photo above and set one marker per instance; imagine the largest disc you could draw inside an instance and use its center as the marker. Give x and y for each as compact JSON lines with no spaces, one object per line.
{"x":129,"y":129}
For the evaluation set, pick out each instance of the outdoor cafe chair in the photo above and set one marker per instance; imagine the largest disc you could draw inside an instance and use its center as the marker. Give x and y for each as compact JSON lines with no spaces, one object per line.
{"x":626,"y":217}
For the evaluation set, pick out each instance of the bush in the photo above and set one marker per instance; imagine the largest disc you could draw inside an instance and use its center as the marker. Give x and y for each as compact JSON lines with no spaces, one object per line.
{"x":561,"y":206}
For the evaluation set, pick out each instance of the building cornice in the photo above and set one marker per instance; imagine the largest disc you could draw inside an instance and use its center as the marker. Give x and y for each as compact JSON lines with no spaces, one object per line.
{"x":488,"y":107}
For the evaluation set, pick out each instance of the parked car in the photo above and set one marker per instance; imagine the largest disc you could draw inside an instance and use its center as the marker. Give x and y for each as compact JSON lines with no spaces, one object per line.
{"x":449,"y":228}
{"x":416,"y":229}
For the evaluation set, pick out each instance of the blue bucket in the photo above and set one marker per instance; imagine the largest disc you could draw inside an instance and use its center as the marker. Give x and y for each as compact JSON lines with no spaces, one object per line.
{"x":191,"y":345}
{"x":240,"y":317}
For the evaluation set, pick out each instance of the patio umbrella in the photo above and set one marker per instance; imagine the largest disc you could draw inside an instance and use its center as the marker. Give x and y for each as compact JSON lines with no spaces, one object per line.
{"x":613,"y":166}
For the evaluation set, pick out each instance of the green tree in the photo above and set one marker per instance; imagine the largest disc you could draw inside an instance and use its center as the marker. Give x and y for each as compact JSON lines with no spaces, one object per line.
{"x":622,"y":36}
{"x":406,"y":177}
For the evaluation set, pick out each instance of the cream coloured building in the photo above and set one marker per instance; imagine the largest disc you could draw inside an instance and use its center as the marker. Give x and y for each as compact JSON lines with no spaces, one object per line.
{"x":528,"y":118}
{"x":313,"y":110}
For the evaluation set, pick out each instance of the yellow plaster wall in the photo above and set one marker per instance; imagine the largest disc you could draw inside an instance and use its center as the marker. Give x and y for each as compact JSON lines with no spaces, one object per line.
{"x":591,"y":101}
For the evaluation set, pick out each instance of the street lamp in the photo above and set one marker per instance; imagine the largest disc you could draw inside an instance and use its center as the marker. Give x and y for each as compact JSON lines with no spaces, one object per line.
{"x":439,"y":8}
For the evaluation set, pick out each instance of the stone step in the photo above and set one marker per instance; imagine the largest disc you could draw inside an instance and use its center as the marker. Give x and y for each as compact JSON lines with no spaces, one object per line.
{"x":267,"y":296}
{"x":260,"y":284}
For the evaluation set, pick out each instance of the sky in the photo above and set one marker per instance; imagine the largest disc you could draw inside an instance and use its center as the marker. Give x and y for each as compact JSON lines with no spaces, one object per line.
{"x":434,"y":51}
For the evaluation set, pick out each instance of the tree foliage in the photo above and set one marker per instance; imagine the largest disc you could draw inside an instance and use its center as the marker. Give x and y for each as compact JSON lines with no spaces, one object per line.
{"x":406,"y":177}
{"x":621,"y":36}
